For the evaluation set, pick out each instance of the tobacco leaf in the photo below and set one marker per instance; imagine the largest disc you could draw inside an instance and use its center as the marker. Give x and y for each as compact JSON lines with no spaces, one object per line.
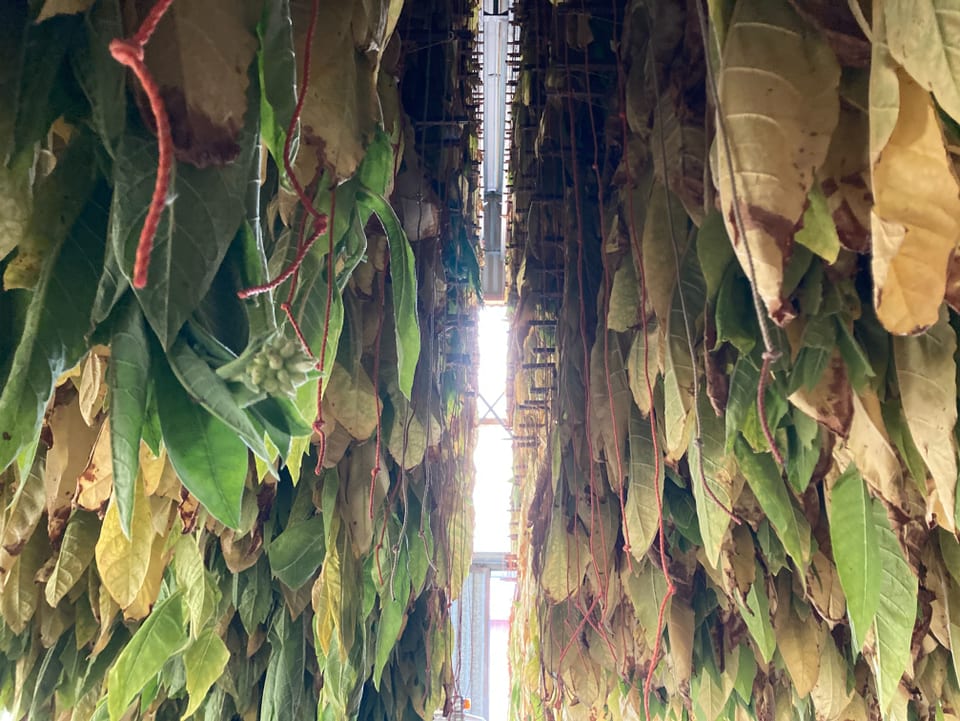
{"x":76,"y":553}
{"x":52,"y":339}
{"x":778,"y":87}
{"x":204,"y":661}
{"x":194,"y":232}
{"x":799,"y":643}
{"x":644,"y":486}
{"x":199,"y":55}
{"x":897,"y":610}
{"x":123,"y":562}
{"x":161,"y":636}
{"x":924,"y":37}
{"x":927,"y":376}
{"x":208,"y":456}
{"x":915,"y":216}
{"x":855,"y":540}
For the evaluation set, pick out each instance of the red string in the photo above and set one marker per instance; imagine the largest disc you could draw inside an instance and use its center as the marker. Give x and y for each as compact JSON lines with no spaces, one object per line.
{"x":129,"y":53}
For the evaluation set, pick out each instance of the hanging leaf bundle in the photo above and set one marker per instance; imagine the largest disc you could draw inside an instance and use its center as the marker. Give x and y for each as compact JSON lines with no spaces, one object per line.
{"x":234,"y":428}
{"x":734,"y":360}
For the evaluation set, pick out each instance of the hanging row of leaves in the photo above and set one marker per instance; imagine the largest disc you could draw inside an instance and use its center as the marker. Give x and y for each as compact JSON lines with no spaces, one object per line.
{"x":759,"y":231}
{"x":221,"y":504}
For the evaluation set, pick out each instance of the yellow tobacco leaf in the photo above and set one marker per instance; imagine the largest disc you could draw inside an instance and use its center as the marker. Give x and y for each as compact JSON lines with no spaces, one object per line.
{"x":927,"y":375}
{"x":916,"y":216}
{"x":93,"y":386}
{"x":680,"y":628}
{"x":661,"y":229}
{"x":327,"y":598}
{"x":123,"y":563}
{"x":150,"y":589}
{"x":340,"y":108}
{"x":780,"y":103}
{"x":869,"y":447}
{"x":830,"y":694}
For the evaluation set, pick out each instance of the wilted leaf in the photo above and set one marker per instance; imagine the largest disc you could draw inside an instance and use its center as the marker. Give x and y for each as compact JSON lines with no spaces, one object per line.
{"x":67,"y":458}
{"x":927,"y":375}
{"x":564,"y":560}
{"x":624,"y":306}
{"x":916,"y":216}
{"x":353,"y":401}
{"x":778,"y":93}
{"x":642,"y":366}
{"x":831,"y":694}
{"x":63,"y":7}
{"x":869,"y":447}
{"x":799,"y":642}
{"x":21,"y":516}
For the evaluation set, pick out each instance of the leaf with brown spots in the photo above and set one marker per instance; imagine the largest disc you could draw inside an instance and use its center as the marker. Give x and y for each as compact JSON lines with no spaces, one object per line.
{"x":200,"y":56}
{"x":778,"y":88}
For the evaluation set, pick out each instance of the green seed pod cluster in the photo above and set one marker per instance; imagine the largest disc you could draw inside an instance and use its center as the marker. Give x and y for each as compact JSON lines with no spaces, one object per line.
{"x":278,"y":368}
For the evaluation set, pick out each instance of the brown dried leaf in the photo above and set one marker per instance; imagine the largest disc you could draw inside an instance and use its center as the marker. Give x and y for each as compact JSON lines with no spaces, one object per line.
{"x":830,"y":402}
{"x":73,"y":442}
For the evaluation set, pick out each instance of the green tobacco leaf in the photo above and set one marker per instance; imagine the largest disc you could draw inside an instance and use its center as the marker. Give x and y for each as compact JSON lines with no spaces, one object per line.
{"x":102,"y":78}
{"x":296,"y":554}
{"x":767,"y":485}
{"x":195,"y":230}
{"x":53,"y":337}
{"x":736,"y":320}
{"x":162,"y":635}
{"x":207,"y":455}
{"x":376,"y":170}
{"x":283,"y":689}
{"x":855,"y":540}
{"x":278,"y":77}
{"x":76,"y":552}
{"x":207,"y":388}
{"x":403,"y":281}
{"x":128,"y":375}
{"x":205,"y":660}
{"x":896,"y":613}
{"x":719,"y":471}
{"x":393,"y":607}
{"x":756,"y":614}
{"x":714,"y":252}
{"x":818,"y":231}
